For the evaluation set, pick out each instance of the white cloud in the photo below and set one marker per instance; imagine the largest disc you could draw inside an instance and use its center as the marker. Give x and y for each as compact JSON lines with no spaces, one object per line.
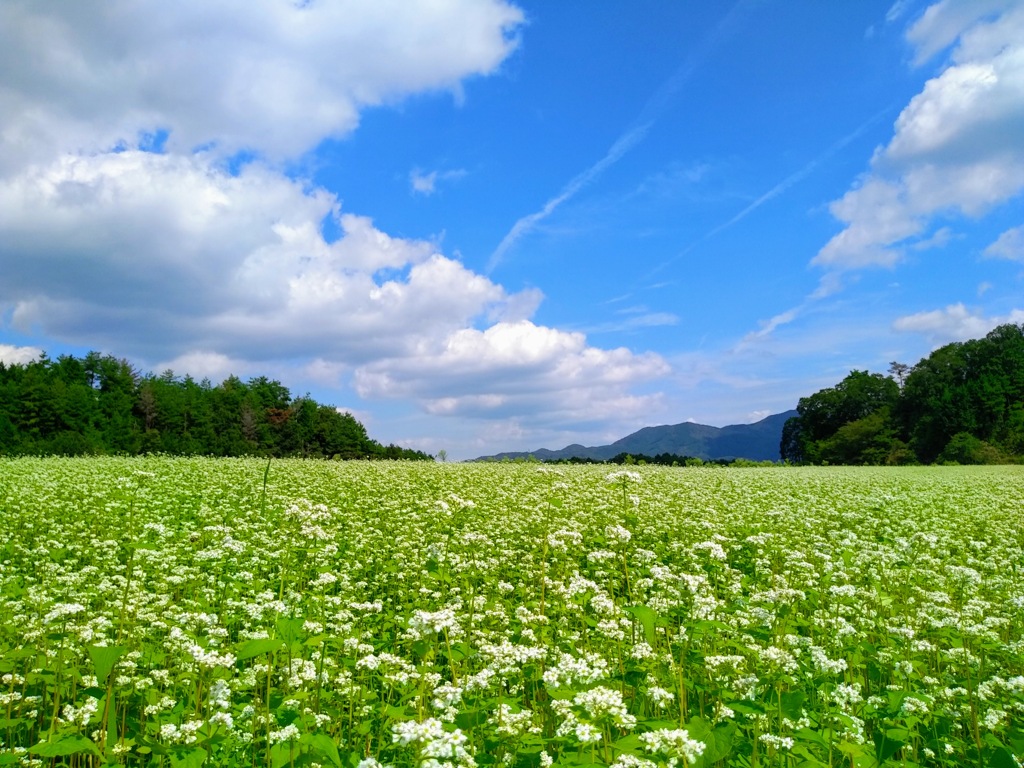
{"x":128,"y":220}
{"x":205,"y":365}
{"x":939,"y":239}
{"x":425,"y":184}
{"x":515,"y":368}
{"x":267,"y":75}
{"x":12,"y":355}
{"x":325,"y":372}
{"x":953,"y":323}
{"x":167,"y":258}
{"x":768,"y":327}
{"x":635,"y":318}
{"x":943,"y":22}
{"x":166,"y":255}
{"x":896,"y":11}
{"x":956,"y":147}
{"x":1009,"y":245}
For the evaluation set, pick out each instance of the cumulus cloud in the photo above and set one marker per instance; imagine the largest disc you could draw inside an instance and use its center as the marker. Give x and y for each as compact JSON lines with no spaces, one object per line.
{"x":12,"y":355}
{"x":145,"y":206}
{"x":264,"y":75}
{"x":953,"y":323}
{"x":956,"y":147}
{"x":943,"y":22}
{"x":515,"y":367}
{"x":165,"y":255}
{"x":1009,"y":245}
{"x":206,"y":365}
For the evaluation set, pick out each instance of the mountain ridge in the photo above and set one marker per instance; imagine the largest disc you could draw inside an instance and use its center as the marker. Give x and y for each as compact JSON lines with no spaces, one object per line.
{"x":758,"y":441}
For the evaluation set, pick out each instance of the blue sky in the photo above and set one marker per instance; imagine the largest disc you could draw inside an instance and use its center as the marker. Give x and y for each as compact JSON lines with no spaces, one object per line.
{"x":484,"y":225}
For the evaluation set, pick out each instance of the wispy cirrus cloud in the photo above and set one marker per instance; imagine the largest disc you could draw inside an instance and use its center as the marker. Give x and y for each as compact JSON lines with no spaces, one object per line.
{"x":633,"y":135}
{"x":425,"y":183}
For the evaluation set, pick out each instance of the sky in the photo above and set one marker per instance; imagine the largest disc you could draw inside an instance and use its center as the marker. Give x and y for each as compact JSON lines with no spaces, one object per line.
{"x":495,"y":225}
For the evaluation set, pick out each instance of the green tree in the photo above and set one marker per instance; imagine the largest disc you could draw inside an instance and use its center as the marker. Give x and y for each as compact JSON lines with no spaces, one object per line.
{"x":821,"y":415}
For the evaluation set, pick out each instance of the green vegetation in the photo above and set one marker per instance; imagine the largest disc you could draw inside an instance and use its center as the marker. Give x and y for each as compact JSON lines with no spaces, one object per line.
{"x":101,"y":405}
{"x":962,"y":404}
{"x":161,"y":611}
{"x":629,"y":459}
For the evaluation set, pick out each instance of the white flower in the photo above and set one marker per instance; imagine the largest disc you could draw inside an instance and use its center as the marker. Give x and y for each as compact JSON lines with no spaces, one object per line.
{"x":62,"y":611}
{"x":603,"y":703}
{"x":631,"y":761}
{"x":913,"y":706}
{"x":673,"y":744}
{"x":289,"y":733}
{"x":617,"y":533}
{"x":778,"y":742}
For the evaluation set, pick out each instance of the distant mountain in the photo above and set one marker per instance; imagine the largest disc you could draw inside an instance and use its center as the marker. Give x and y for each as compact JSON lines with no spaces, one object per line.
{"x":758,"y":441}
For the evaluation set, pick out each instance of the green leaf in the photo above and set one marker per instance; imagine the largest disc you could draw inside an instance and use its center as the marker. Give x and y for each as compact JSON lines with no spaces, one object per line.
{"x":192,"y":758}
{"x":104,"y":657}
{"x":290,"y":630}
{"x":808,"y":735}
{"x":257,"y":647}
{"x":564,"y":694}
{"x":630,"y":743}
{"x":698,"y":728}
{"x":469,"y":720}
{"x":886,"y":747}
{"x":792,"y":704}
{"x":325,"y":745}
{"x":73,"y":744}
{"x":808,"y":760}
{"x":851,"y":749}
{"x":746,"y":707}
{"x":719,"y":743}
{"x":282,"y":754}
{"x":999,"y":757}
{"x":648,"y":617}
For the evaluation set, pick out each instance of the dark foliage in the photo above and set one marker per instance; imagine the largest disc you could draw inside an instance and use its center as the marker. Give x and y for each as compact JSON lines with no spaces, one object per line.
{"x":963,"y":404}
{"x":101,"y":405}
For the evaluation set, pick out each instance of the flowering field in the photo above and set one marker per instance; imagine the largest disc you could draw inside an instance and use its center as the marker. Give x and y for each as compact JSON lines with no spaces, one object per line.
{"x":188,"y":612}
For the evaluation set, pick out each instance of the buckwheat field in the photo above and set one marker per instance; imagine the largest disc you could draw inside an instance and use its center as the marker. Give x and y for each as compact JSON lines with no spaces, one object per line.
{"x":191,"y":612}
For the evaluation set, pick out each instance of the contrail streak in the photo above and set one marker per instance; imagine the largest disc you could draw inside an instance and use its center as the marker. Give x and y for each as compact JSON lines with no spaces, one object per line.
{"x":778,"y":189}
{"x":634,"y":135}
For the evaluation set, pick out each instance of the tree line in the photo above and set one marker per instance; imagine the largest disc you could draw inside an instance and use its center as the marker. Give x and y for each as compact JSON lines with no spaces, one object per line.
{"x":98,"y":404}
{"x":963,"y":404}
{"x":664,"y":459}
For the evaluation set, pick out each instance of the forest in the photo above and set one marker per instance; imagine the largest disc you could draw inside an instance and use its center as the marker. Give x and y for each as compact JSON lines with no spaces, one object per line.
{"x":99,"y":404}
{"x":963,"y":404}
